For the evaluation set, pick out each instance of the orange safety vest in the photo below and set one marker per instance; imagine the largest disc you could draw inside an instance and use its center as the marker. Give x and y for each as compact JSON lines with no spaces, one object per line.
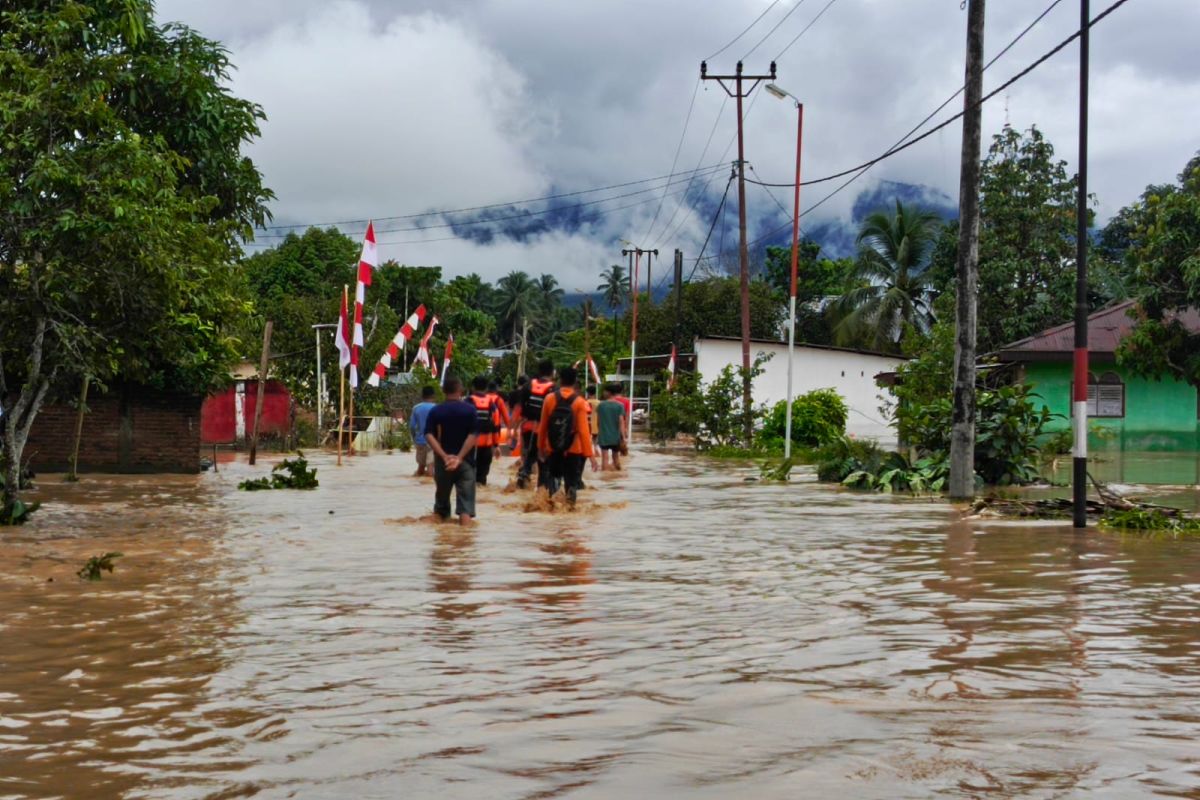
{"x":488,"y":417}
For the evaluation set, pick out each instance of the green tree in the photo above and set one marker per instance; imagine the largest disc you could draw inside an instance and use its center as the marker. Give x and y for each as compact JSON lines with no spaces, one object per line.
{"x":893,"y":283}
{"x":1164,"y":254}
{"x":517,"y":299}
{"x":1026,"y":241}
{"x":127,"y":197}
{"x":710,"y":308}
{"x":817,"y":281}
{"x":614,"y":288}
{"x":550,"y":293}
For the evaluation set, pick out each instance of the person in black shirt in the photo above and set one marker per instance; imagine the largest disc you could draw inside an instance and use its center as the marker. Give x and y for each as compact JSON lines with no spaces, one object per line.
{"x":451,"y":429}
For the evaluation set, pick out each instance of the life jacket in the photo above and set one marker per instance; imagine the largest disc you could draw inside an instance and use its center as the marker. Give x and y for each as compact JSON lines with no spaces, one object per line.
{"x":539,"y":389}
{"x":486,"y":415}
{"x":561,"y":427}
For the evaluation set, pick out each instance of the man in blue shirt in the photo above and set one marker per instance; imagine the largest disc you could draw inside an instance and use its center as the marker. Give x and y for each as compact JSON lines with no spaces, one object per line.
{"x":450,"y":430}
{"x":416,"y":424}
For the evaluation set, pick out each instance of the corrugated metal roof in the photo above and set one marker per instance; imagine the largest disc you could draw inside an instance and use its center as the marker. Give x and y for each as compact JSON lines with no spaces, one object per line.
{"x":1106,"y":328}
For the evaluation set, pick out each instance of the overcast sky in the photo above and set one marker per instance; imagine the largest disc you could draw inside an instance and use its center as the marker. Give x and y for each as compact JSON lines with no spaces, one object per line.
{"x":383,"y":108}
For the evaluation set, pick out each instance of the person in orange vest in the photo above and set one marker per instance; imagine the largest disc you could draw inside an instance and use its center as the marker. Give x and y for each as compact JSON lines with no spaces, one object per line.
{"x":564,"y":437}
{"x":487,"y":420}
{"x":501,"y":405}
{"x":529,"y":411}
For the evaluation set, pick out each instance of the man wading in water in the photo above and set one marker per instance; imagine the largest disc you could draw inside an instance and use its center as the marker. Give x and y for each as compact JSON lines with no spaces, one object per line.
{"x":564,"y":438}
{"x":529,"y":410}
{"x":451,"y":430}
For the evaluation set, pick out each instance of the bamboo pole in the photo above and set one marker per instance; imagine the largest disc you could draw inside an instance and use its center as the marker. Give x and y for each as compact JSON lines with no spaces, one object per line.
{"x":264,"y":365}
{"x":73,"y":475}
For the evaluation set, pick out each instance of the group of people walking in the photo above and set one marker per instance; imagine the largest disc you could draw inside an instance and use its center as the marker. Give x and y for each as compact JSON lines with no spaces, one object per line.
{"x":558,"y":431}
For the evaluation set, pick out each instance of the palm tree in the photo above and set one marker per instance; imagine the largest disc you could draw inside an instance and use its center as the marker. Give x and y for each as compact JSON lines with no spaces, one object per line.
{"x":517,"y":297}
{"x":614,"y":288}
{"x":892,"y":284}
{"x":551,"y":294}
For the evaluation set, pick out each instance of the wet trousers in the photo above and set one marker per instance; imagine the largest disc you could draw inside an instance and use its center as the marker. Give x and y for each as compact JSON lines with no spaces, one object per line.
{"x":462,"y":481}
{"x":529,"y":457}
{"x":483,"y":464}
{"x":564,"y":470}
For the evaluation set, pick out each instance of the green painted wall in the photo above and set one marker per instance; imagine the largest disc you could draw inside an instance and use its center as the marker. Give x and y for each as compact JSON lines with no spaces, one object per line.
{"x":1159,"y":415}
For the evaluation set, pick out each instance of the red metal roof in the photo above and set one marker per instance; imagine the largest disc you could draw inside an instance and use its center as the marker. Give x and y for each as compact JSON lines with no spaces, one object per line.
{"x":1106,"y":328}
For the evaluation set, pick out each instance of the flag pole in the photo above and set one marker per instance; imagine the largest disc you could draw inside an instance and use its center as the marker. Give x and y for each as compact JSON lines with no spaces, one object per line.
{"x":342,"y":388}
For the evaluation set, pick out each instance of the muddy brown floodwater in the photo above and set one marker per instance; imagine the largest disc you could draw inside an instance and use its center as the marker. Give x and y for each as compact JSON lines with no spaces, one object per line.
{"x":687,"y":634}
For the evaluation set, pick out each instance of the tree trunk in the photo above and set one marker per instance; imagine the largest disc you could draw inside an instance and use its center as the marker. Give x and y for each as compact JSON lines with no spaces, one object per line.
{"x":962,"y":434}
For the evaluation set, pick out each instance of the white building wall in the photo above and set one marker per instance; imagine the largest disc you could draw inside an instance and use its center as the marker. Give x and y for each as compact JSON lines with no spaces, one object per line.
{"x":849,"y":373}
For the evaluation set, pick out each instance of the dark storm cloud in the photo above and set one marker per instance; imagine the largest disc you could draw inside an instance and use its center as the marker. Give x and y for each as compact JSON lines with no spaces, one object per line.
{"x":382,"y":108}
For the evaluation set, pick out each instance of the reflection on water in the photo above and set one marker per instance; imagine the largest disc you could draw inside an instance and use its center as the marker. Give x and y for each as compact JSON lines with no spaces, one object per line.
{"x":697,"y":636}
{"x":1114,"y":465}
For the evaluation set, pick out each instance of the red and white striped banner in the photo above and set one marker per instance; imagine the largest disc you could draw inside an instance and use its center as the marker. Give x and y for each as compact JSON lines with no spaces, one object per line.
{"x":393,"y":349}
{"x":423,"y":351}
{"x":447,"y":357}
{"x":671,"y":368}
{"x":366,"y":266}
{"x":595,"y":372}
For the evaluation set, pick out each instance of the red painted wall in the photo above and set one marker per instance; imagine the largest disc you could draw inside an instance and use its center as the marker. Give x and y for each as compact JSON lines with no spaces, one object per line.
{"x":218,"y":415}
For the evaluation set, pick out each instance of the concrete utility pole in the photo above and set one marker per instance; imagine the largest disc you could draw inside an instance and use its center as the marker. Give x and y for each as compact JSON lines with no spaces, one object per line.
{"x":962,"y":433}
{"x":635,"y":259}
{"x":738,"y":93}
{"x":678,"y":295}
{"x":264,"y":365}
{"x":1079,"y":482}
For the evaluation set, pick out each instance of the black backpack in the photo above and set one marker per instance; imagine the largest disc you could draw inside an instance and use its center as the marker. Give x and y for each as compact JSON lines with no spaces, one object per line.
{"x":561,"y":426}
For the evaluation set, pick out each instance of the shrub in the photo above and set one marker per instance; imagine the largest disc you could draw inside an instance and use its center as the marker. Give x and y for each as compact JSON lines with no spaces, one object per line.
{"x":714,"y":413}
{"x":298,"y":476}
{"x":818,"y":417}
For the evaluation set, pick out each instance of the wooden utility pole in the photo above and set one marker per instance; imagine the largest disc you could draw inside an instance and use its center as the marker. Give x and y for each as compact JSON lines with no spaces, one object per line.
{"x":263,"y":366}
{"x":738,"y":93}
{"x":524,"y":339}
{"x":962,"y":432}
{"x":678,"y":295}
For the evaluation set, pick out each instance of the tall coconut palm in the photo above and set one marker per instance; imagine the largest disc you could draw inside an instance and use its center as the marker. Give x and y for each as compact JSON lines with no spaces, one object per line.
{"x":890,"y":278}
{"x":517,"y":299}
{"x":550,"y":293}
{"x":614,"y":288}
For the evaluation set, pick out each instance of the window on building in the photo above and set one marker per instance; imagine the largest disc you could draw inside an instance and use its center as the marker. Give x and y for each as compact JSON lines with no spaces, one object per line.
{"x":1105,"y":397}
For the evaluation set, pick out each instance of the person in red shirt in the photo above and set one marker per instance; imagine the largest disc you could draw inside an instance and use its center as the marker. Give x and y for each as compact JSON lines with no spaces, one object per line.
{"x":564,"y":437}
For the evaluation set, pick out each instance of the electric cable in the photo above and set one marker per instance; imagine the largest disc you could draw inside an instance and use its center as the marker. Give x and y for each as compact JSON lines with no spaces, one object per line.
{"x":716,"y":216}
{"x":528,"y":201}
{"x":734,"y":40}
{"x":519,"y":215}
{"x":674,"y":161}
{"x":812,"y":22}
{"x":782,"y":20}
{"x":905,"y":145}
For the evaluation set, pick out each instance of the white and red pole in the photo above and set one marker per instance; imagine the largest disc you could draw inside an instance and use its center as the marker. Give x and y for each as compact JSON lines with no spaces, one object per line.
{"x":1079,"y":484}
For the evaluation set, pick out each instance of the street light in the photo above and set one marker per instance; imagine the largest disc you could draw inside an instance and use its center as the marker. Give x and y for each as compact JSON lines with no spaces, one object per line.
{"x":320,"y":375}
{"x":784,"y":94}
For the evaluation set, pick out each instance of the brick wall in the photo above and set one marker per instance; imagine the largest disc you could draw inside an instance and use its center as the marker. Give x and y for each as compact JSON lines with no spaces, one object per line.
{"x":126,"y":430}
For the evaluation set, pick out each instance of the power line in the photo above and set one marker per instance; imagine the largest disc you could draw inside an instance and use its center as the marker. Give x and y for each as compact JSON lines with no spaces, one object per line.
{"x":687,"y":120}
{"x":820,"y":14}
{"x":905,"y":145}
{"x":716,"y":216}
{"x":520,"y":215}
{"x":732,"y":41}
{"x":782,"y":20}
{"x":703,"y":153}
{"x":528,"y":201}
{"x":600,"y":214}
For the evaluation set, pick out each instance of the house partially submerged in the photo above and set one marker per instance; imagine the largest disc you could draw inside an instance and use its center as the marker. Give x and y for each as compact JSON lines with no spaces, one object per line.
{"x":1133,"y":412}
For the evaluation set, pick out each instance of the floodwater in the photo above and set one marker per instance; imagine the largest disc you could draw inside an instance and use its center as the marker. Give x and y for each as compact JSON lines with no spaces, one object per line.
{"x":687,"y":634}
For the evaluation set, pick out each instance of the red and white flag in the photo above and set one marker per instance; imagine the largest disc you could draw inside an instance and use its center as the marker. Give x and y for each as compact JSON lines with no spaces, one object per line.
{"x":447,"y":357}
{"x":595,"y":372}
{"x":423,"y":350}
{"x":342,"y":338}
{"x":671,"y":368}
{"x":405,"y":333}
{"x":366,"y":266}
